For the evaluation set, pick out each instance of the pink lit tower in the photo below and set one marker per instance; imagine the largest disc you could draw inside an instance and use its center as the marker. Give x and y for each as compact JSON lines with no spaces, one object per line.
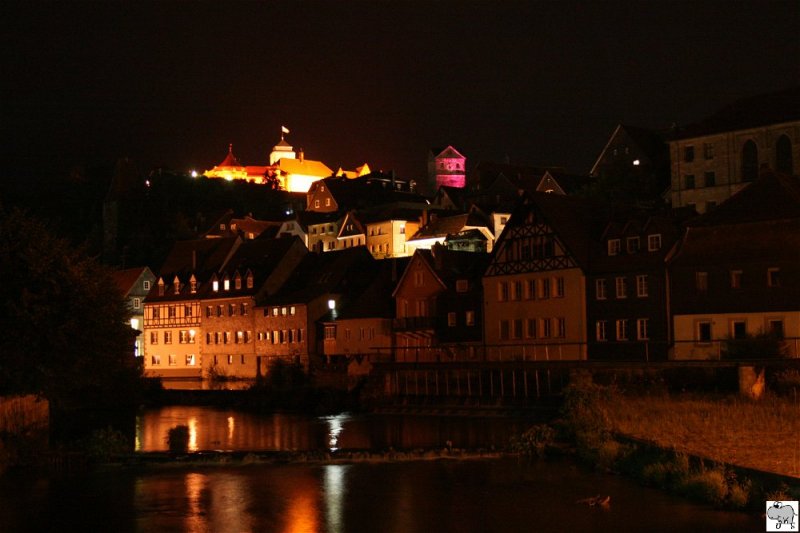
{"x":446,"y":167}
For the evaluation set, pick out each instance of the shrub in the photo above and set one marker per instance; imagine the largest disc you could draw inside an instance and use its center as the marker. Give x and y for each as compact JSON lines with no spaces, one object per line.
{"x":103,"y":444}
{"x":585,"y":416}
{"x":534,"y":440}
{"x":707,"y":486}
{"x":760,"y":346}
{"x":787,"y":382}
{"x":178,"y":439}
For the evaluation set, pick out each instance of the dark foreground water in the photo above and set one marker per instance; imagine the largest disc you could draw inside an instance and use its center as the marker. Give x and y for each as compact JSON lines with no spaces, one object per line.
{"x":460,"y":496}
{"x":425,"y":496}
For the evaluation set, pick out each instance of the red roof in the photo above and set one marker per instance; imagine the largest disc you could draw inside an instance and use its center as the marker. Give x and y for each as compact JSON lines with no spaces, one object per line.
{"x":230,"y":160}
{"x":125,"y":279}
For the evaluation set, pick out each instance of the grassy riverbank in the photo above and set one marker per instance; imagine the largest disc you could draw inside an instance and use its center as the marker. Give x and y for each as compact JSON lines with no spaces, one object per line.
{"x":722,"y":450}
{"x":761,"y":435}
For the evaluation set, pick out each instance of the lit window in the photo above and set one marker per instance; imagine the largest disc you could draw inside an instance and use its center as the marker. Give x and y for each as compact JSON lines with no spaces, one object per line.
{"x":641,"y":329}
{"x":654,"y":242}
{"x":316,"y":203}
{"x":330,"y":332}
{"x":621,"y":287}
{"x":327,"y":202}
{"x":230,"y":359}
{"x":190,"y":359}
{"x":600,"y":289}
{"x":559,"y":288}
{"x":215,"y":286}
{"x":155,"y":359}
{"x":292,"y":310}
{"x":153,"y":337}
{"x":173,"y":360}
{"x":622,"y":330}
{"x":545,"y":288}
{"x":641,"y":286}
{"x":167,"y":337}
{"x":226,"y":284}
{"x":469,"y":318}
{"x":600,"y":330}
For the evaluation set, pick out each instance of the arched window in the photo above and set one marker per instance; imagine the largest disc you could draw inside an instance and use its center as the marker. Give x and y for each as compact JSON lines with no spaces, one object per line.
{"x":749,"y":161}
{"x":783,"y":155}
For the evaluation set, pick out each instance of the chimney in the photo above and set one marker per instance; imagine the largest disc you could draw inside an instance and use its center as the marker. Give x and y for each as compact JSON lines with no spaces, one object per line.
{"x":300,"y":155}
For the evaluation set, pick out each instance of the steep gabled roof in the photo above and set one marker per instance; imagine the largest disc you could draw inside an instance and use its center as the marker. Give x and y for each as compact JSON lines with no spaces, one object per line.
{"x":126,"y":279}
{"x":230,"y":159}
{"x":306,"y":167}
{"x":201,"y":256}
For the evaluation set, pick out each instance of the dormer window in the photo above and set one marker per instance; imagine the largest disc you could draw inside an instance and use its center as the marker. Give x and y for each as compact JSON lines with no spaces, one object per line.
{"x":249,"y":280}
{"x":193,"y":284}
{"x":633,"y":245}
{"x":176,"y":284}
{"x":238,"y":282}
{"x":462,"y":285}
{"x":614,"y":246}
{"x":226,"y":283}
{"x":215,"y":285}
{"x":160,"y":287}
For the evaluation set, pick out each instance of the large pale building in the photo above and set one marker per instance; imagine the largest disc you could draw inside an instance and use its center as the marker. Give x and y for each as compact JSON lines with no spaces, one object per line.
{"x":717,"y":157}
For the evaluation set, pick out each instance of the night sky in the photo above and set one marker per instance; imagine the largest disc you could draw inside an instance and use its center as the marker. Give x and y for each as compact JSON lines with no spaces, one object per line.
{"x":171,"y":84}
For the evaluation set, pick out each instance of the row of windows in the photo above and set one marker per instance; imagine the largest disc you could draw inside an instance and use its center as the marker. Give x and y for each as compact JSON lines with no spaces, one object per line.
{"x":226,"y":283}
{"x":172,"y":312}
{"x":709,"y":180}
{"x":623,"y":332}
{"x":172,"y":360}
{"x":282,"y":336}
{"x":783,"y":156}
{"x":535,"y":328}
{"x":233,"y":309}
{"x":185,"y":336}
{"x":621,"y":287}
{"x":363,"y":333}
{"x":737,"y":329}
{"x":282,"y":311}
{"x":708,"y":152}
{"x":469,"y":318}
{"x":735,"y":279}
{"x":532,"y":289}
{"x":226,"y":337}
{"x":633,"y":244}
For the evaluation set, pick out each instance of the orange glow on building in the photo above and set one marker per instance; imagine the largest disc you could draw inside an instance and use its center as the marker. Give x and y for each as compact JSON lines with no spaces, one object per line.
{"x":292,"y":171}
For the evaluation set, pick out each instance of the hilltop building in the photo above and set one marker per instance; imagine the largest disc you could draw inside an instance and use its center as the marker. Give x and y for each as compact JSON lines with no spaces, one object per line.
{"x":287,"y":169}
{"x":446,"y":166}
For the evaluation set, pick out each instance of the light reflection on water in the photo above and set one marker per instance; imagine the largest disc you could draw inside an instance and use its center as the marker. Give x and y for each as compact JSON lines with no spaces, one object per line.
{"x":447,"y":496}
{"x":221,"y":429}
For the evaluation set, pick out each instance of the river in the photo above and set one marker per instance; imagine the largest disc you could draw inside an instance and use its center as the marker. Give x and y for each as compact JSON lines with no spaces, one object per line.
{"x":481,"y":495}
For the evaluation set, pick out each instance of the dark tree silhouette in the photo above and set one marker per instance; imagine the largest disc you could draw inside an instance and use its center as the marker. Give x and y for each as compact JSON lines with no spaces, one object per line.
{"x":66,"y":333}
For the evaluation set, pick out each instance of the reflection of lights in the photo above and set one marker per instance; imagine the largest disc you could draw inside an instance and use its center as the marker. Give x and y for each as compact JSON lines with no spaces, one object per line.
{"x":335,"y":427}
{"x":193,"y":434}
{"x":196,"y":519}
{"x":230,"y":428}
{"x":334,"y":490}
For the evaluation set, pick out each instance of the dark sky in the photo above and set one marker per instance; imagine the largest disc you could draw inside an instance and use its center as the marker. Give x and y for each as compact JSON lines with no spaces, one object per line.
{"x":540,"y":82}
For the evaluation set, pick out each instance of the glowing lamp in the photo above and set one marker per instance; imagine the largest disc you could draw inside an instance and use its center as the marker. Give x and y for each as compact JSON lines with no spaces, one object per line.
{"x":194,"y":173}
{"x":332,"y":304}
{"x":636,"y":162}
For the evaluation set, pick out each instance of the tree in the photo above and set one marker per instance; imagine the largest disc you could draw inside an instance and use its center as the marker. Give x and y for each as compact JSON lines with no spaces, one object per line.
{"x":66,"y":334}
